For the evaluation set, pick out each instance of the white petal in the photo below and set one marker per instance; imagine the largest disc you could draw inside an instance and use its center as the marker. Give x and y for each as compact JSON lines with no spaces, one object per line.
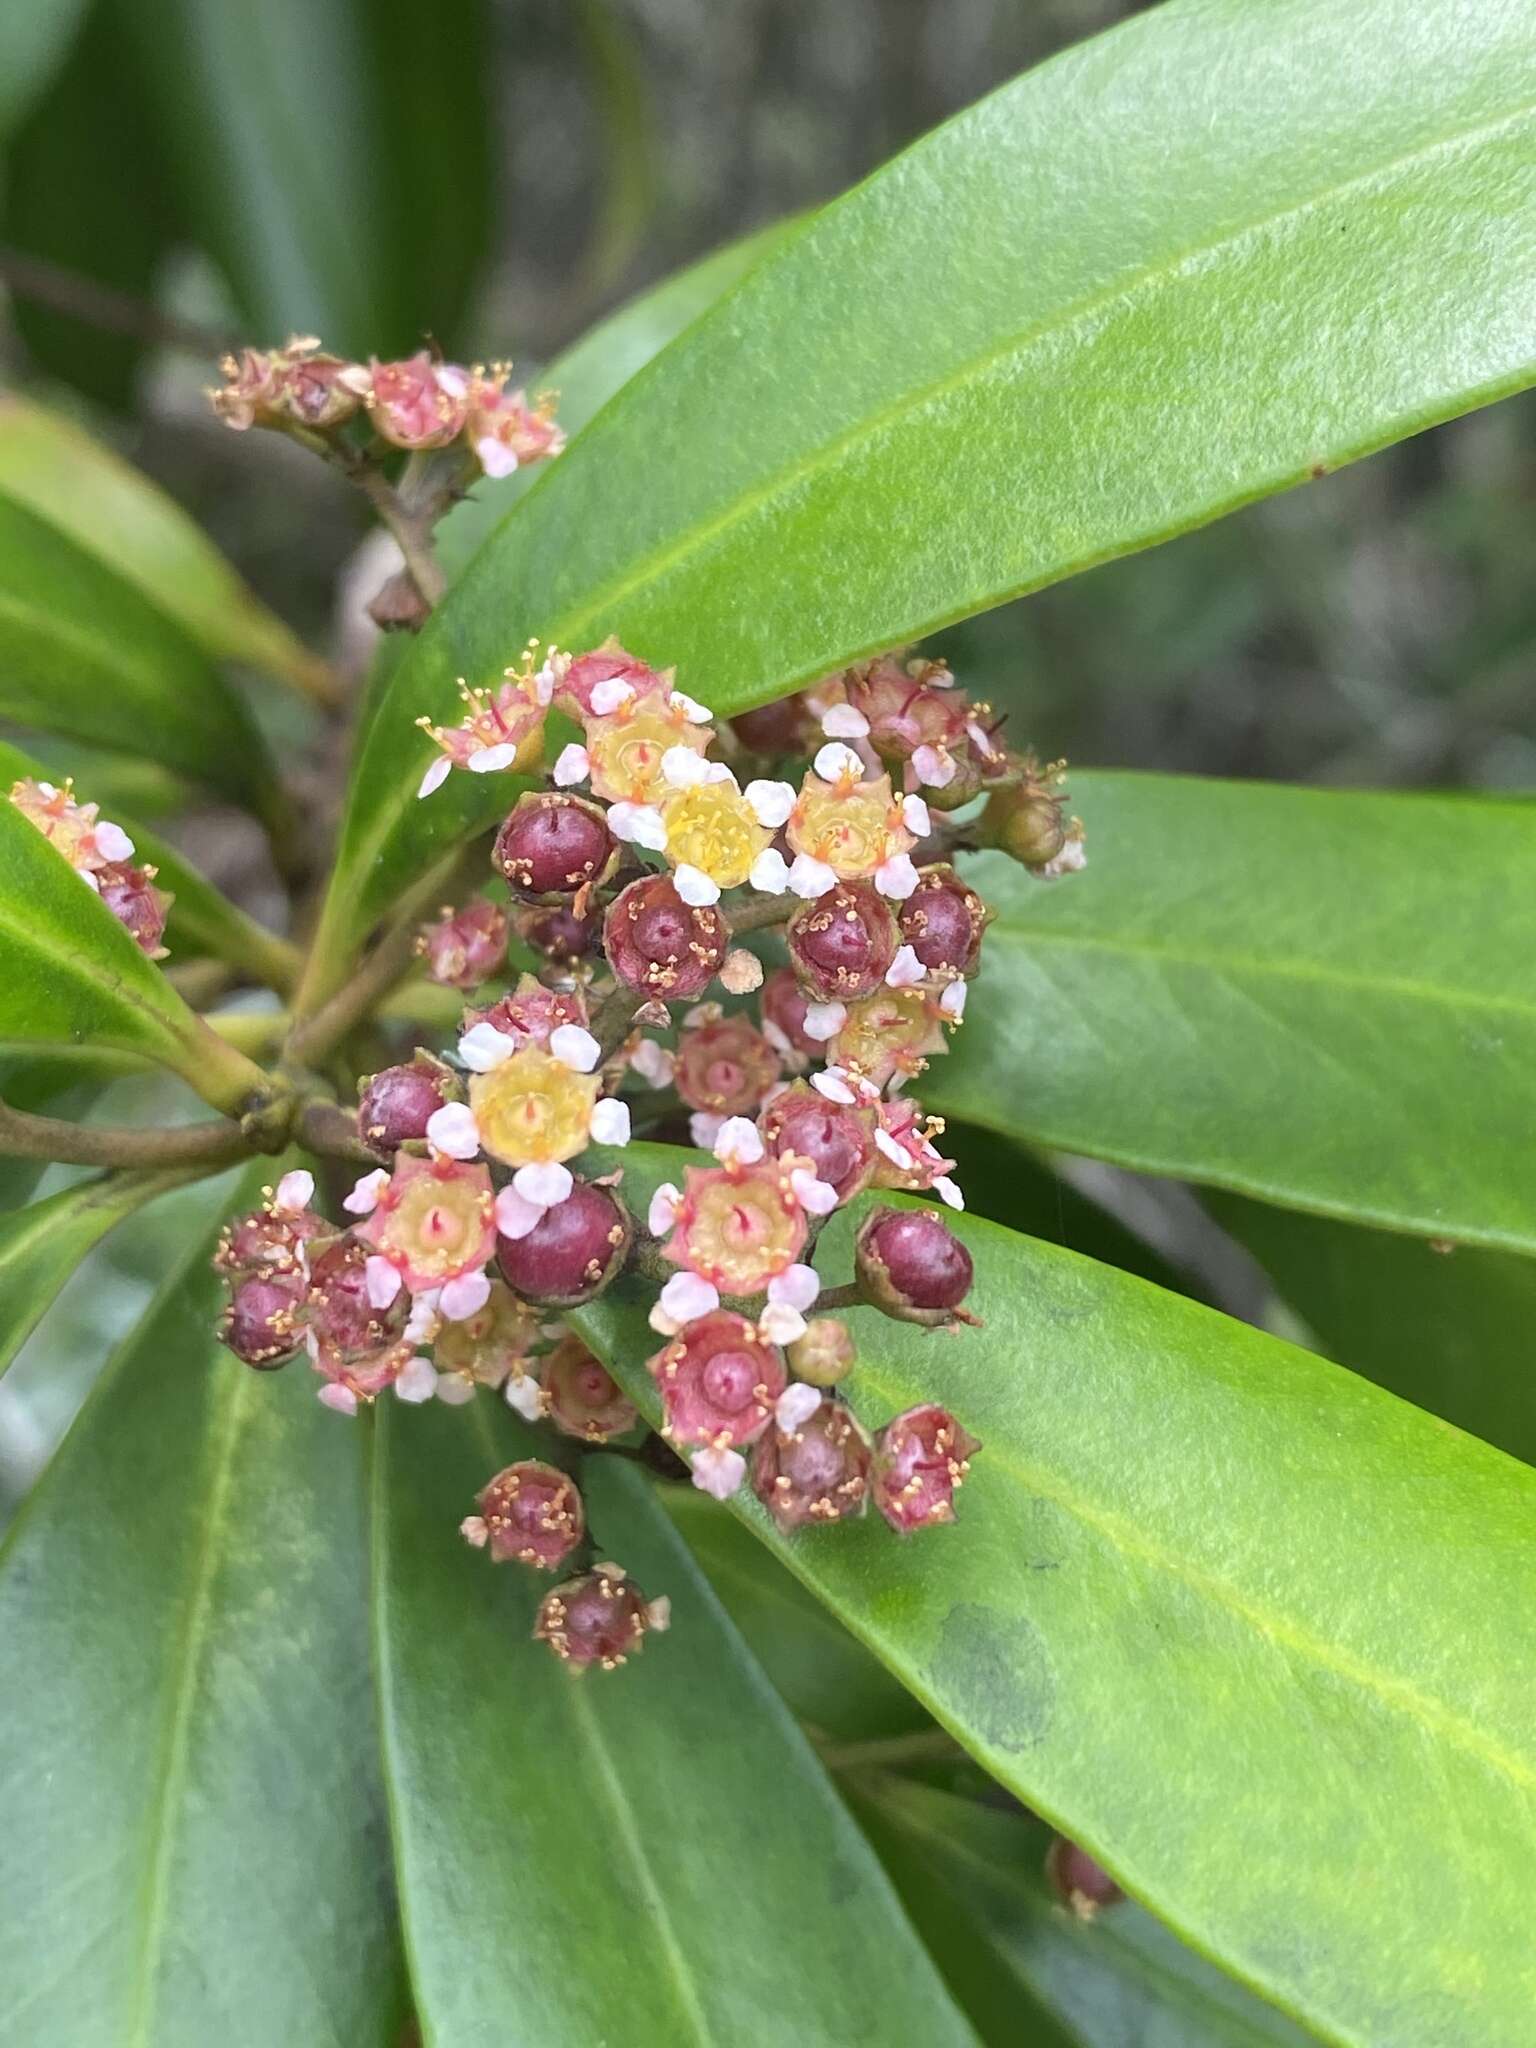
{"x":811,"y":878}
{"x":89,"y":880}
{"x":897,"y":1154}
{"x":364,"y":1198}
{"x":662,"y":1213}
{"x":718,"y":1472}
{"x":716,"y":771}
{"x":934,"y":766}
{"x":914,"y":815}
{"x":906,"y":970}
{"x":770,"y":802}
{"x":544,"y":1184}
{"x":683,"y":768}
{"x":796,"y":1287}
{"x":417,"y":1381}
{"x":948,"y":1190}
{"x":524,"y":1396}
{"x":421,"y":1323}
{"x":704,"y":1128}
{"x":842,"y":722}
{"x":610,"y":1122}
{"x":382,"y":1281}
{"x":453,"y":1130}
{"x":450,"y":378}
{"x":571,"y":765}
{"x":777,"y":1037}
{"x":113,"y":841}
{"x":465,"y":1296}
{"x":454,"y":1390}
{"x":830,"y":1082}
{"x":435,"y":776}
{"x":695,"y":713}
{"x":770,"y":872}
{"x":483,"y":1047}
{"x":694,"y":886}
{"x":663,"y":1324}
{"x":981,"y":740}
{"x":824,"y":1021}
{"x":795,"y":1406}
{"x":487,"y":760}
{"x":294,"y":1191}
{"x":336,"y":1396}
{"x":686,"y":1297}
{"x":779,"y":1325}
{"x":819,"y":1197}
{"x":834,"y":761}
{"x":896,"y":877}
{"x":544,"y":678}
{"x":514,"y":1217}
{"x":575,"y":1047}
{"x":952,"y":1002}
{"x":611,"y":695}
{"x":496,"y":458}
{"x":653,"y":1062}
{"x":738,"y":1142}
{"x":641,"y":824}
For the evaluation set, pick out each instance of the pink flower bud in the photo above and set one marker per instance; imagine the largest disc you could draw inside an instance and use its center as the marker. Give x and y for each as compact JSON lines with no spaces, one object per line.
{"x":906,"y":706}
{"x":816,"y":1473}
{"x":251,"y":388}
{"x":837,"y":1139}
{"x":584,"y":1399}
{"x":554,"y":846}
{"x":718,"y":1381}
{"x":130,"y":894}
{"x":943,"y":921}
{"x":572,"y":1252}
{"x":600,"y":1618}
{"x":532,"y":1514}
{"x":912,"y":1265}
{"x":1025,"y":818}
{"x":841,"y":944}
{"x":417,"y":403}
{"x":558,"y":933}
{"x":352,"y":1343}
{"x":825,"y":1354}
{"x":261,"y":1324}
{"x":606,"y":664}
{"x":921,"y":1458}
{"x":465,"y":947}
{"x":314,"y":390}
{"x":397,"y":1102}
{"x":661,"y":946}
{"x":531,"y":1014}
{"x":725,"y":1066}
{"x":507,"y":433}
{"x":1077,"y":1880}
{"x":269,"y":1242}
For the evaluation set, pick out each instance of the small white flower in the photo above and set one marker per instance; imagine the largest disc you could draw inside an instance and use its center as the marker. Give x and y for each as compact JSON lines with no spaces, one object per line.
{"x":662,"y":1213}
{"x":824,"y":1020}
{"x":488,"y":760}
{"x":809,"y":877}
{"x":336,"y":1396}
{"x":842,"y":722}
{"x":704,"y":1128}
{"x":454,"y":1390}
{"x":780,"y":1325}
{"x":770,"y":872}
{"x":896,"y":877}
{"x":464,"y":1296}
{"x":682,"y":768}
{"x":524,"y":1396}
{"x":933,"y":766}
{"x":897,"y":1154}
{"x":516,"y":1218}
{"x":694,"y":886}
{"x":914,"y":815}
{"x":437,"y":774}
{"x":653,"y":1063}
{"x":640,"y":824}
{"x":906,"y":970}
{"x":571,"y":766}
{"x":483,"y":1048}
{"x":610,"y":1122}
{"x":611,"y":695}
{"x":718,"y":1472}
{"x":952,"y":1002}
{"x":417,"y":1381}
{"x":544,"y":1185}
{"x":948,"y":1191}
{"x":738,"y":1142}
{"x":575,"y":1047}
{"x":686,"y":1297}
{"x":496,"y":458}
{"x":294,"y":1191}
{"x":770,"y":802}
{"x":835,"y":761}
{"x":796,"y":1287}
{"x":833,"y":1083}
{"x":113,"y":841}
{"x":795,"y":1406}
{"x":382,"y":1281}
{"x":453,"y":1130}
{"x":364,"y":1198}
{"x":694,"y":712}
{"x":817,"y":1197}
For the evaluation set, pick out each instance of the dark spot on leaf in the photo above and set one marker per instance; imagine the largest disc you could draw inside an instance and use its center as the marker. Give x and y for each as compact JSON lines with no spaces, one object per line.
{"x":996,"y":1672}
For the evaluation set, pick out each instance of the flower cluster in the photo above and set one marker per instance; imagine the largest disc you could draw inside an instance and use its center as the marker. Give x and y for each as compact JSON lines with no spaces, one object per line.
{"x":631,"y":877}
{"x":101,"y":854}
{"x":419,"y":403}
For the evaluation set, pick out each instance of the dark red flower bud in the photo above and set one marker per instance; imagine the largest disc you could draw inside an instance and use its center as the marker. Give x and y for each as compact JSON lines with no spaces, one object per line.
{"x":397,"y":1101}
{"x":816,"y":1473}
{"x":1077,"y":1880}
{"x":261,"y":1323}
{"x":572,"y":1252}
{"x":600,"y":1618}
{"x":465,"y":947}
{"x":718,"y":1381}
{"x":783,"y":1003}
{"x":661,"y":946}
{"x":837,"y":1138}
{"x":825,"y":1354}
{"x":913,"y":1266}
{"x":841,"y":945}
{"x":557,"y":932}
{"x":921,"y":1458}
{"x":773,"y":730}
{"x":584,"y":1399}
{"x":553,"y":844}
{"x":725,"y":1066}
{"x":943,"y":920}
{"x":529,"y":1514}
{"x":351,"y":1335}
{"x":130,"y":894}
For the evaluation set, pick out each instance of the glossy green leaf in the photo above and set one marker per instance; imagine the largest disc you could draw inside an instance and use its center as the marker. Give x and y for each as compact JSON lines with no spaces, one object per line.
{"x":1023,"y":1966}
{"x":192,"y":1846}
{"x":1174,"y":269}
{"x":1449,"y":1330}
{"x":34,"y":36}
{"x":572,"y":1851}
{"x":40,"y":1246}
{"x":116,"y":512}
{"x":1251,"y":1630}
{"x":1322,"y":998}
{"x":71,"y":975}
{"x":50,"y":1086}
{"x":85,"y":654}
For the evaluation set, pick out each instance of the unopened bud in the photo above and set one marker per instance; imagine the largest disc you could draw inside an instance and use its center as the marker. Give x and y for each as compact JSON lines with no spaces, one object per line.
{"x":397,"y":1102}
{"x":552,"y":845}
{"x":911,"y":1265}
{"x":261,"y":1323}
{"x":661,"y":946}
{"x":572,"y":1252}
{"x":943,"y":921}
{"x":464,"y":948}
{"x":837,"y":1138}
{"x":557,"y":932}
{"x":841,"y":944}
{"x":1077,"y":1880}
{"x":825,"y":1354}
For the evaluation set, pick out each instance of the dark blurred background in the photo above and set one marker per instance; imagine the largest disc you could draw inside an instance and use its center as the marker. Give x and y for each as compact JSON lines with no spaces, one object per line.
{"x":499,"y":175}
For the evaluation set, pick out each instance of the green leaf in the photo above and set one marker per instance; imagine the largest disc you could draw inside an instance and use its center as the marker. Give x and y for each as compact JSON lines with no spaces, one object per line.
{"x":665,"y":1858}
{"x":1166,"y":273}
{"x":84,"y":653}
{"x":34,"y":36}
{"x":1317,"y":997}
{"x":71,"y":975}
{"x":46,"y":1086}
{"x":57,"y":470}
{"x":192,"y":1845}
{"x":1022,"y":1965}
{"x":1447,"y":1330}
{"x":40,"y":1246}
{"x":1248,"y":1628}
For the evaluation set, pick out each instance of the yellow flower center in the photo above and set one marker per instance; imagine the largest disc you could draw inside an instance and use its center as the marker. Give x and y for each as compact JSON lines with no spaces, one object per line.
{"x":851,"y":829}
{"x":438,"y":1224}
{"x":486,"y":1345}
{"x":624,"y":752}
{"x":886,"y":1033}
{"x":533,"y":1108}
{"x":742,"y":1231}
{"x":711,"y":827}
